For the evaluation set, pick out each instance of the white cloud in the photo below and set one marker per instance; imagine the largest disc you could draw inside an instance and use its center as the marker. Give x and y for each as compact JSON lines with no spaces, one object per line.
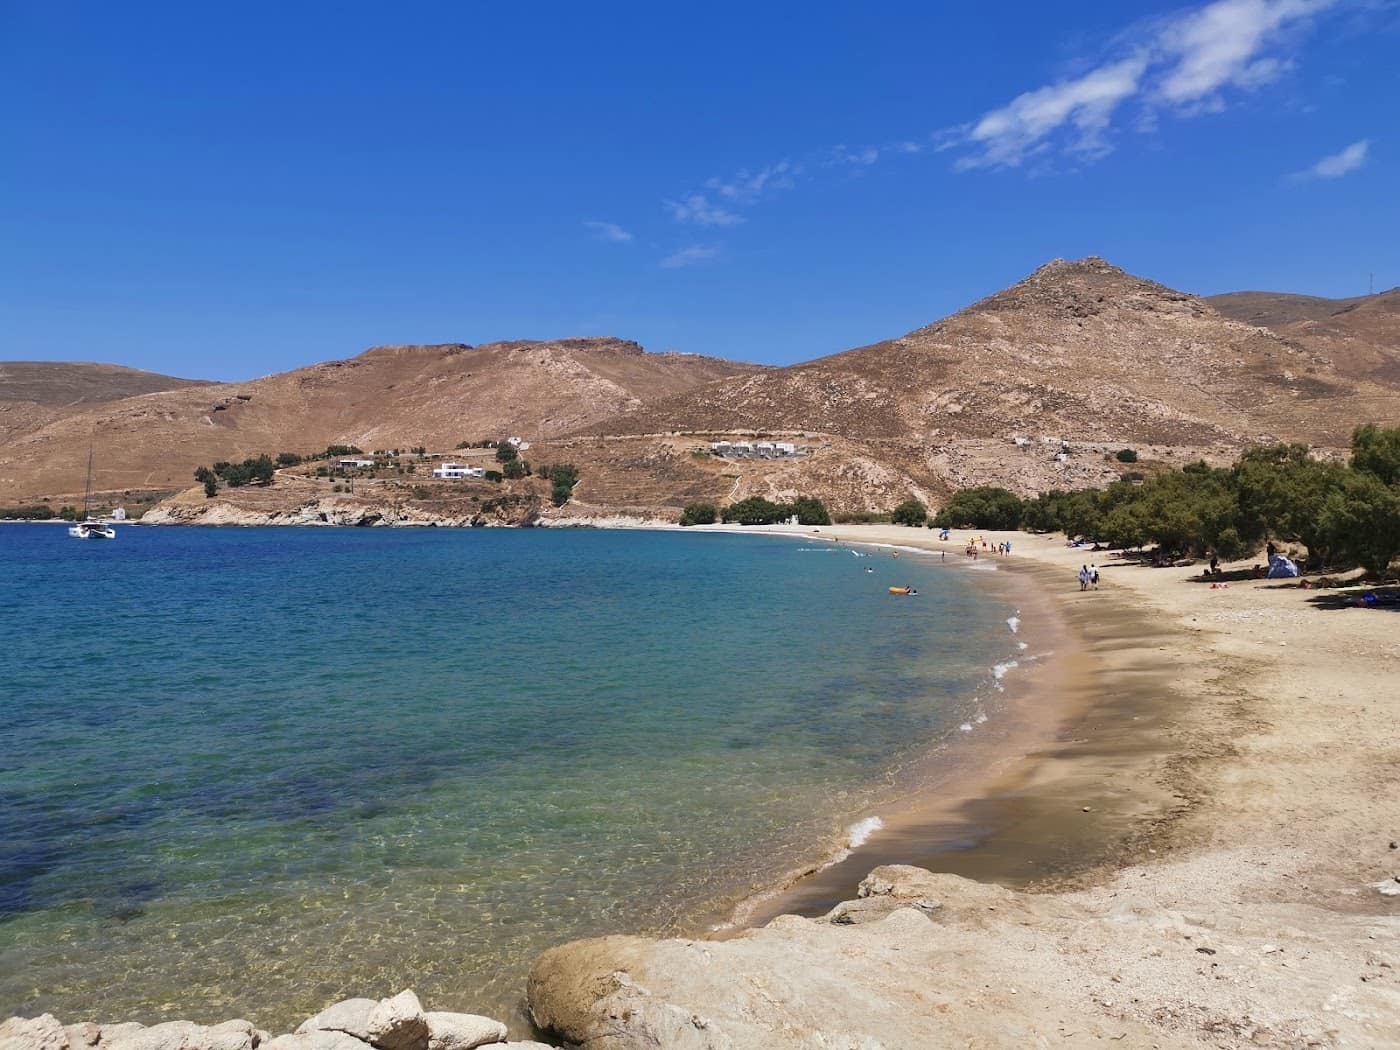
{"x":1219,"y":46}
{"x":863,"y":157}
{"x":746,"y":187}
{"x":697,"y":209}
{"x":1185,"y":63}
{"x":1006,"y":136}
{"x":696,"y":253}
{"x":609,"y":231}
{"x":1338,"y":164}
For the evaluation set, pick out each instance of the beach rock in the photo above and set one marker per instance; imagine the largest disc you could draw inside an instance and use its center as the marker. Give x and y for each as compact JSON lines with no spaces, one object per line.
{"x":237,"y":1034}
{"x":86,"y":1033}
{"x":171,"y":1035}
{"x":33,"y":1033}
{"x":315,"y":1040}
{"x":449,"y":1031}
{"x":398,"y":1023}
{"x":350,"y":1016}
{"x":947,"y":973}
{"x":111,"y":1032}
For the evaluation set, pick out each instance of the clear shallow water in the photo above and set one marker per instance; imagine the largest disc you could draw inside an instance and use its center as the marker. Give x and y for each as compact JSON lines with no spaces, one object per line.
{"x":246,"y":772}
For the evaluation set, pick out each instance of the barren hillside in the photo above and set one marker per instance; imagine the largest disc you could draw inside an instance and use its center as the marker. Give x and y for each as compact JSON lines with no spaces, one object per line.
{"x":33,"y":393}
{"x":1361,"y":336}
{"x":1077,"y":349}
{"x":390,"y":396}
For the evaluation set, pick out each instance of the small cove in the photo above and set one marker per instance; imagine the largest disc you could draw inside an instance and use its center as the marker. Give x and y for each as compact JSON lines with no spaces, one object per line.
{"x":250,"y":771}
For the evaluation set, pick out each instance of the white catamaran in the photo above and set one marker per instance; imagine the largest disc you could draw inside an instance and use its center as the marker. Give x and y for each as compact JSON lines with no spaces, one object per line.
{"x":91,"y":528}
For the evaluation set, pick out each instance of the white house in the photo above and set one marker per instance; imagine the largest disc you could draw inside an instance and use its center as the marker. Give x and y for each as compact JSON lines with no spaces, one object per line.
{"x":764,"y":449}
{"x":785,"y":448}
{"x":517,"y":444}
{"x":352,"y":464}
{"x":457,"y":471}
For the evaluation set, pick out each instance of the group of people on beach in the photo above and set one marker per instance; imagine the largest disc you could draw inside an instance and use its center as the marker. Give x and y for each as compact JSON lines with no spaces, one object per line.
{"x":992,"y":548}
{"x":1088,"y":577}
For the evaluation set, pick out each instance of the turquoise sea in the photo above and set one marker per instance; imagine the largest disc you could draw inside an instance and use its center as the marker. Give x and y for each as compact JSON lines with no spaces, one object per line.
{"x":248,"y":772}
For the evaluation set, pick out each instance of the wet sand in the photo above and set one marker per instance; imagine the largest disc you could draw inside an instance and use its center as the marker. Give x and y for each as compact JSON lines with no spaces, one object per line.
{"x":1078,"y":726}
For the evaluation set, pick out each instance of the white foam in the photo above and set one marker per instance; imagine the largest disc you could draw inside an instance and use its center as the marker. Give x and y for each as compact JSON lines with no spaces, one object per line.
{"x":1000,"y":670}
{"x":981,"y":717}
{"x":1014,"y":622}
{"x":859,"y":832}
{"x":1023,"y":645}
{"x":966,"y":727}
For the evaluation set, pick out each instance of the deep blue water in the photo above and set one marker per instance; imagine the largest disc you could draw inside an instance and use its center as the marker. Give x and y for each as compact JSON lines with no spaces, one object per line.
{"x":247,"y":771}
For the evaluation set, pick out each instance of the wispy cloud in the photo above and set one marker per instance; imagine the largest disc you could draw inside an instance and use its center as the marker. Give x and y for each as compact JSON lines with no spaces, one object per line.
{"x":698,"y":210}
{"x":1338,"y":164}
{"x":1184,"y":63}
{"x":696,"y":253}
{"x":862,"y":157}
{"x":1007,"y":136}
{"x":746,"y":187}
{"x":608,"y":231}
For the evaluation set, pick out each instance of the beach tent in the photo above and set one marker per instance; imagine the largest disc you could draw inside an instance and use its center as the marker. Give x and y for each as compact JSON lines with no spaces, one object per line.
{"x":1281,"y":568}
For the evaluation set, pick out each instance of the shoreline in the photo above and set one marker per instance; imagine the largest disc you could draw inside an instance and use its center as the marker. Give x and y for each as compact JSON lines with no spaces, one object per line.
{"x":1208,"y":824}
{"x":1008,"y":804}
{"x":1240,"y":888}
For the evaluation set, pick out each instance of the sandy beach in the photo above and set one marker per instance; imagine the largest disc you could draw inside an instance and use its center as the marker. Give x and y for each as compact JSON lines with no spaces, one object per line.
{"x":1206,"y":842}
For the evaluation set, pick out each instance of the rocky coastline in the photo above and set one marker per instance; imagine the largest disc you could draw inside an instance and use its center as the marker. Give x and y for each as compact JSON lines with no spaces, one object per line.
{"x":397,"y":1023}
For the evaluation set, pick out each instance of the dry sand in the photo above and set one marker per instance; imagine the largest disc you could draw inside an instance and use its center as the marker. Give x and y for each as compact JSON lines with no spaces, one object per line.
{"x":1212,"y":834}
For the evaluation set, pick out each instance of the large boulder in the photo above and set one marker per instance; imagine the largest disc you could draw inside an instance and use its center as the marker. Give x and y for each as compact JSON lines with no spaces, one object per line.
{"x":181,"y":1035}
{"x":350,"y":1016}
{"x":33,"y":1033}
{"x":315,"y":1040}
{"x":449,"y":1031}
{"x":81,"y":1035}
{"x":398,"y":1023}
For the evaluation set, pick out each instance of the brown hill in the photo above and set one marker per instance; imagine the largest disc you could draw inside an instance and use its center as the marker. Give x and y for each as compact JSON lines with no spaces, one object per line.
{"x":60,"y":384}
{"x":1361,"y":336}
{"x":33,"y":393}
{"x":1079,"y":350}
{"x":390,"y":396}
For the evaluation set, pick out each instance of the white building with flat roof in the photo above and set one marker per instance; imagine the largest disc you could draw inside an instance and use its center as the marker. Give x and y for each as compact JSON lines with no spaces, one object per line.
{"x":458,"y":471}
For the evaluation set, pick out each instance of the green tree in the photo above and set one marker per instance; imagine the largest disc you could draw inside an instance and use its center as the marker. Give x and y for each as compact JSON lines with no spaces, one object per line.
{"x":910,"y":512}
{"x":982,"y":507}
{"x":1126,"y":455}
{"x":288,"y":459}
{"x":514,"y":469}
{"x":752,"y":511}
{"x":1361,"y":518}
{"x":1376,"y":451}
{"x":505,"y":453}
{"x":809,"y":511}
{"x":699,"y":514}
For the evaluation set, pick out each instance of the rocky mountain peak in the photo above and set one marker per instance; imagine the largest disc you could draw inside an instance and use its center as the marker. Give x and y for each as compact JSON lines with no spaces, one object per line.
{"x":1079,"y":288}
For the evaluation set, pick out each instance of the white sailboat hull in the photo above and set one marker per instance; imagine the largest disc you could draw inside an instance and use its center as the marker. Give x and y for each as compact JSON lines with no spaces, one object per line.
{"x":94,"y":531}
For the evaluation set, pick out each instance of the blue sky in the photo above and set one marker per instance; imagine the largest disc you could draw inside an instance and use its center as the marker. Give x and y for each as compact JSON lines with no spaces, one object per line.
{"x":226,"y":191}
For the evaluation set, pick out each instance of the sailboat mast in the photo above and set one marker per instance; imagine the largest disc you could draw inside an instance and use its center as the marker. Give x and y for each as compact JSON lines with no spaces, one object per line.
{"x":87,"y":493}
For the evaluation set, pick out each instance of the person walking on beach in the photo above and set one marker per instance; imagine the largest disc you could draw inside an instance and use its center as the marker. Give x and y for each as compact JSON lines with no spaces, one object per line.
{"x":1083,"y":577}
{"x":1094,"y":576}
